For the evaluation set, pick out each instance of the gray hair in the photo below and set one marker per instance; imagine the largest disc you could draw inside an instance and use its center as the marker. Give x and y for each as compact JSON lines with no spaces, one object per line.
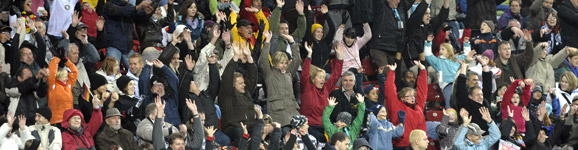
{"x":348,"y":73}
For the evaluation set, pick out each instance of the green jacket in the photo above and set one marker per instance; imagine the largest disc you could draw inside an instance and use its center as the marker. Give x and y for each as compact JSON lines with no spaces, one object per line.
{"x":353,"y":129}
{"x":277,"y":42}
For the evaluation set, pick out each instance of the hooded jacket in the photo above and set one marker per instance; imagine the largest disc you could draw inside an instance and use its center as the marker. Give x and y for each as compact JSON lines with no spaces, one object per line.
{"x":60,"y":96}
{"x":381,"y":132}
{"x":71,"y":139}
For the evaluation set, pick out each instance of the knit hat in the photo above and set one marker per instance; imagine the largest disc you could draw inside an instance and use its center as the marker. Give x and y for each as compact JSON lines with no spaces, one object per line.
{"x":45,"y":112}
{"x":344,"y":117}
{"x":368,"y":88}
{"x":474,"y":129}
{"x":315,"y":26}
{"x":97,"y":80}
{"x":112,"y":112}
{"x":298,"y":121}
{"x":358,"y":143}
{"x":122,"y":82}
{"x":537,"y":88}
{"x":375,"y":108}
{"x":489,"y":53}
{"x":491,"y":25}
{"x":452,"y":111}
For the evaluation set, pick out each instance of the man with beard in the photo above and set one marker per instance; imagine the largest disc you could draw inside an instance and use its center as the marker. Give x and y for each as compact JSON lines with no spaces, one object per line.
{"x":113,"y":136}
{"x":48,"y":135}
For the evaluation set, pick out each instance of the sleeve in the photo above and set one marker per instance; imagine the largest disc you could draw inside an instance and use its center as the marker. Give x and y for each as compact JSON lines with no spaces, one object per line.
{"x":291,"y":142}
{"x":381,"y":82}
{"x":294,"y":66}
{"x":338,"y":37}
{"x":301,"y":27}
{"x":15,"y":64}
{"x":459,"y":142}
{"x":358,"y":121}
{"x":202,"y":64}
{"x":494,"y":135}
{"x":526,"y":95}
{"x":214,"y":81}
{"x":171,"y":78}
{"x":170,"y":18}
{"x":398,"y":130}
{"x":329,"y":128}
{"x":530,"y":136}
{"x":73,"y":74}
{"x":144,"y":80}
{"x":199,"y":134}
{"x":275,"y":20}
{"x":101,"y":40}
{"x":421,"y":94}
{"x":438,"y":20}
{"x":184,"y":87}
{"x":336,"y":66}
{"x":308,"y":143}
{"x":25,"y":135}
{"x":415,"y":20}
{"x":95,"y":121}
{"x":430,"y":58}
{"x":275,"y":139}
{"x":52,"y":69}
{"x":461,"y":91}
{"x":57,"y":142}
{"x":158,"y":138}
{"x":442,"y":129}
{"x":366,"y":35}
{"x":40,"y":50}
{"x":527,"y":56}
{"x":251,"y":77}
{"x":305,"y":71}
{"x":92,"y":55}
{"x":372,"y":124}
{"x":391,"y":98}
{"x":487,"y":91}
{"x":256,"y":135}
{"x":264,"y":62}
{"x":557,"y":59}
{"x":536,"y":7}
{"x":227,"y":86}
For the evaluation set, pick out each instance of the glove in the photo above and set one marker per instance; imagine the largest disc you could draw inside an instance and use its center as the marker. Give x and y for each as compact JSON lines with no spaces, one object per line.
{"x":401,"y":116}
{"x":261,"y":25}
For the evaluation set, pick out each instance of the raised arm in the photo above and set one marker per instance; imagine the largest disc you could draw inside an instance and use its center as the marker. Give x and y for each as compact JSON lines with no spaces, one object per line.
{"x":391,"y":98}
{"x":73,"y":74}
{"x":508,"y":94}
{"x":366,"y":35}
{"x":294,"y":66}
{"x":421,"y":94}
{"x":52,"y":69}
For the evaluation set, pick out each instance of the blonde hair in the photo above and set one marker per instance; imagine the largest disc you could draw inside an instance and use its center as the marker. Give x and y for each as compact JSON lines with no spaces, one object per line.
{"x":61,"y":73}
{"x":415,"y":135}
{"x":571,"y":80}
{"x":450,"y":50}
{"x":405,"y":91}
{"x":279,"y":57}
{"x":313,"y":72}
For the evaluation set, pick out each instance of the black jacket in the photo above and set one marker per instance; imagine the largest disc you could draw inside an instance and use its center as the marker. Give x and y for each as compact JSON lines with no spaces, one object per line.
{"x":568,"y":15}
{"x":480,"y":10}
{"x":463,"y":101}
{"x":127,"y":107}
{"x":149,"y":31}
{"x":235,"y":106}
{"x":386,"y":34}
{"x":205,"y":100}
{"x":529,"y":138}
{"x":417,"y":31}
{"x":343,"y":104}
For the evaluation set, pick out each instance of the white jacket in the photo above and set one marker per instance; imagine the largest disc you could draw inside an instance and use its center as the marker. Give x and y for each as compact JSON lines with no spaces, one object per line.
{"x":49,"y":136}
{"x":13,"y":142}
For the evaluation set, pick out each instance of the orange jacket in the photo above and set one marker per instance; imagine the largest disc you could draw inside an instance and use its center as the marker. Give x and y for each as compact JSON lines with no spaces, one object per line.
{"x":60,"y":96}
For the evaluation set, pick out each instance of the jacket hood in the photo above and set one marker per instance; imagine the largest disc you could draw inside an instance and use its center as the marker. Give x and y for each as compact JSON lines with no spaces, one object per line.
{"x":69,"y":114}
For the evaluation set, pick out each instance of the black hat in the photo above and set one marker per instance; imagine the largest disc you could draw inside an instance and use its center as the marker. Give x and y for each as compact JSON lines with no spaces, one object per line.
{"x":80,"y":25}
{"x":244,"y":22}
{"x":122,"y":82}
{"x":167,"y":54}
{"x":45,"y":112}
{"x":97,"y":80}
{"x":358,"y":143}
{"x":5,"y":28}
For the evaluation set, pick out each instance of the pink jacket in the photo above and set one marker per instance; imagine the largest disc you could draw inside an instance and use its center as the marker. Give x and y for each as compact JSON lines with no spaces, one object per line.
{"x":351,"y":54}
{"x":524,"y":100}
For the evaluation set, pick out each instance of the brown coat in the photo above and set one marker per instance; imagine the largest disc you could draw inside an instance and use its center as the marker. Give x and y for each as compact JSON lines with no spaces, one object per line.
{"x":517,"y":62}
{"x":108,"y":139}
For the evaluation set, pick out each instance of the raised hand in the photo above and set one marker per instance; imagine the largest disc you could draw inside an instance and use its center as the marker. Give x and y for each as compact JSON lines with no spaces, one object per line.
{"x":216,"y":32}
{"x":211,"y":58}
{"x":445,"y":113}
{"x":258,"y":111}
{"x":360,"y":98}
{"x":22,"y":122}
{"x":486,"y":114}
{"x":288,"y":38}
{"x":189,"y":62}
{"x":150,"y":63}
{"x":252,"y":9}
{"x":332,"y":101}
{"x":419,"y":65}
{"x":30,"y":24}
{"x":100,"y":23}
{"x":308,"y":48}
{"x":114,"y":97}
{"x":510,"y":112}
{"x":268,"y":36}
{"x":465,"y":117}
{"x":564,"y":109}
{"x":192,"y":106}
{"x":96,"y":102}
{"x":187,"y":36}
{"x":158,"y":64}
{"x":75,"y":18}
{"x":339,"y":50}
{"x":280,"y":3}
{"x":10,"y":119}
{"x":471,"y":56}
{"x":392,"y":67}
{"x":526,"y":114}
{"x":160,"y":105}
{"x":244,"y":128}
{"x":64,"y":35}
{"x":527,"y":35}
{"x":210,"y":131}
{"x":299,"y":6}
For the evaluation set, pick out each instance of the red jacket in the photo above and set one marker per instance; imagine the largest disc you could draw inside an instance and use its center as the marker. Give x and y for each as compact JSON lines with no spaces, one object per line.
{"x":314,"y":100}
{"x":414,"y":118}
{"x":85,"y":140}
{"x":524,"y":100}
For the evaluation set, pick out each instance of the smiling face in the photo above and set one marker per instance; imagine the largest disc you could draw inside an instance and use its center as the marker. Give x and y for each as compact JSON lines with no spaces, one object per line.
{"x":542,"y":136}
{"x":239,"y":84}
{"x":348,"y":82}
{"x":318,"y":34}
{"x":282,"y":66}
{"x":373,"y":95}
{"x":552,"y":20}
{"x":26,"y":56}
{"x":130,"y":88}
{"x":283,"y":28}
{"x":75,"y":121}
{"x":382,"y":114}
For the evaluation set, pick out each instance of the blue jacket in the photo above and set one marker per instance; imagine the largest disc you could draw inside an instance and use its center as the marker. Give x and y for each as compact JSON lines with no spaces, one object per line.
{"x":506,"y":17}
{"x":485,"y":143}
{"x":381,"y":132}
{"x":448,"y":67}
{"x":119,"y":17}
{"x":170,"y":97}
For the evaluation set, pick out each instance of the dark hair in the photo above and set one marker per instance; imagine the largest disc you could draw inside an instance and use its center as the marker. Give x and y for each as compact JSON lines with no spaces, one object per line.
{"x":183,"y":10}
{"x":20,"y":71}
{"x":503,"y":43}
{"x":471,"y":90}
{"x":146,"y":146}
{"x":175,"y":136}
{"x":284,"y":22}
{"x":339,"y":136}
{"x":519,"y":1}
{"x":350,"y":33}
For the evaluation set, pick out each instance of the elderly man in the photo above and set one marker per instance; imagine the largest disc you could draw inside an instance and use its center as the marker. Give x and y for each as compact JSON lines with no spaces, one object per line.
{"x":470,"y":135}
{"x":48,"y":135}
{"x":113,"y":136}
